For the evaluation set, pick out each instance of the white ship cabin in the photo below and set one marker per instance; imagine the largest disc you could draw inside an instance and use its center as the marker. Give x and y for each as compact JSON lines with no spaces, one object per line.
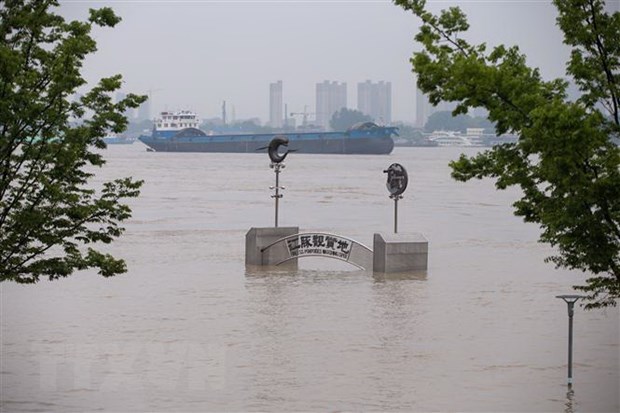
{"x":475,"y":136}
{"x":449,"y":138}
{"x":177,"y":120}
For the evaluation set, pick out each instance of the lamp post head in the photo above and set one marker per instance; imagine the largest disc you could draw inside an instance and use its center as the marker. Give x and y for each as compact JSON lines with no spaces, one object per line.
{"x":274,"y":154}
{"x":273,"y":149}
{"x":570,"y":300}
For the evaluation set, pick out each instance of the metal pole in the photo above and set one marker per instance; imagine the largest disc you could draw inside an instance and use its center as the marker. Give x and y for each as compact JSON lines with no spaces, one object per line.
{"x":277,"y":192}
{"x":276,"y":168}
{"x":396,"y":215}
{"x":570,"y":301}
{"x":396,"y":198}
{"x":570,"y":342}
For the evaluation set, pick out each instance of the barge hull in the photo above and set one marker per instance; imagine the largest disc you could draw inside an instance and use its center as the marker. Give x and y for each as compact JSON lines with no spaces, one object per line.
{"x":363,"y":146}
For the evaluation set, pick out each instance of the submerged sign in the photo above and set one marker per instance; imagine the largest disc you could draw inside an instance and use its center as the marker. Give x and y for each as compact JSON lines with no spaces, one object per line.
{"x":319,"y":244}
{"x":308,"y":244}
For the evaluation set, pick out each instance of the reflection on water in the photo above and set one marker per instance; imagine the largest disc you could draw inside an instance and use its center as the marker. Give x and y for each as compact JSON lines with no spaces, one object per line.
{"x":191,"y":328}
{"x":400,"y":276}
{"x":570,"y":402}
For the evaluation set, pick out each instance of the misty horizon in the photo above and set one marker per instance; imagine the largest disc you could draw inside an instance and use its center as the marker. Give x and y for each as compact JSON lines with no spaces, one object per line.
{"x":195,"y":55}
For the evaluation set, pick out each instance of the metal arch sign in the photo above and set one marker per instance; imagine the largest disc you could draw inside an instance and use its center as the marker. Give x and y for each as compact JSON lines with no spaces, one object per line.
{"x":320,"y":244}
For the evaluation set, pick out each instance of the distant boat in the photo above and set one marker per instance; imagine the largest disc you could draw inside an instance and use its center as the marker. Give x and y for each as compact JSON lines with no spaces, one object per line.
{"x":180,"y":132}
{"x":449,"y":138}
{"x":118,"y":140}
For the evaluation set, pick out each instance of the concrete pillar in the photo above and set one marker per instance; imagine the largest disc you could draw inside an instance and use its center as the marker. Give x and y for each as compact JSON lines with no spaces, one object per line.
{"x":258,"y":238}
{"x":400,"y":252}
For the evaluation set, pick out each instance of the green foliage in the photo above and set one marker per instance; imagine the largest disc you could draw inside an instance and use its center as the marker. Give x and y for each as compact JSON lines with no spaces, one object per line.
{"x":408,"y":132}
{"x":250,"y":126}
{"x":564,"y":161}
{"x":50,"y":215}
{"x":345,"y":118}
{"x":443,"y":120}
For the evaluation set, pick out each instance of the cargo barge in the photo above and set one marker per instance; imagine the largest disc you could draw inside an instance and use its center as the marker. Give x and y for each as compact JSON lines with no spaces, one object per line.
{"x":179,"y":132}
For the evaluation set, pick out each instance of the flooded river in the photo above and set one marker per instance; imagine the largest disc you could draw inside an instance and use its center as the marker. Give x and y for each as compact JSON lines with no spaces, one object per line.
{"x":188,"y":328}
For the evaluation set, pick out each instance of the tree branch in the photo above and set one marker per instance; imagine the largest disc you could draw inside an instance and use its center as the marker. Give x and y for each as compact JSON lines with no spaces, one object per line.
{"x":602,"y":51}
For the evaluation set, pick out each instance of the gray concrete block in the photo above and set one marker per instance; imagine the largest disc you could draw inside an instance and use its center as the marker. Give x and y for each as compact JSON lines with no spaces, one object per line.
{"x":256,"y":239}
{"x":400,"y":252}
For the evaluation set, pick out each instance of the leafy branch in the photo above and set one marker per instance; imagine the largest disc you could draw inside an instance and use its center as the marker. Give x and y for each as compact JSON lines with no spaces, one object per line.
{"x":565,"y":163}
{"x":48,"y":211}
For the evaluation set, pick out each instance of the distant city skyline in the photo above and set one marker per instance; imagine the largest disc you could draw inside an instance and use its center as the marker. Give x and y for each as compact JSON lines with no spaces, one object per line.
{"x":194,"y":55}
{"x":373,"y":99}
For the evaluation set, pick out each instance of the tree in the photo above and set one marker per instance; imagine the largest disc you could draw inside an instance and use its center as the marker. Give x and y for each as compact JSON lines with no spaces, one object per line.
{"x":443,"y":120}
{"x":345,"y":118}
{"x":481,"y":122}
{"x":564,"y":161}
{"x":50,"y":215}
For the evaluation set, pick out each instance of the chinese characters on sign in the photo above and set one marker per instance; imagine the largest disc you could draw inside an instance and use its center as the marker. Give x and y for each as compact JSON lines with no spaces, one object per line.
{"x":319,"y":244}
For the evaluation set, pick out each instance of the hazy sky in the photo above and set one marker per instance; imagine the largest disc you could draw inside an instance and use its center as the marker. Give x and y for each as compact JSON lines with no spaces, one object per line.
{"x":194,"y":54}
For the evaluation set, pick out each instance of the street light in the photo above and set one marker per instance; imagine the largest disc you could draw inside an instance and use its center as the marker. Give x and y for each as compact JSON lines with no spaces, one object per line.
{"x":276,"y":164}
{"x":570,"y":300}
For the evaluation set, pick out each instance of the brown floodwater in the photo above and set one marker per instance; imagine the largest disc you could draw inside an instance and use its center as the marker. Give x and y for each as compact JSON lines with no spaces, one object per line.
{"x":189,"y":328}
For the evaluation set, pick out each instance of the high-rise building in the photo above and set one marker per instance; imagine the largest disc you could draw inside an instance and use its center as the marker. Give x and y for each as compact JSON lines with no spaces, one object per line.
{"x":375,"y":100}
{"x":144,"y":110}
{"x":422,"y":108}
{"x":275,"y":104}
{"x":364,"y":97}
{"x":330,"y":98}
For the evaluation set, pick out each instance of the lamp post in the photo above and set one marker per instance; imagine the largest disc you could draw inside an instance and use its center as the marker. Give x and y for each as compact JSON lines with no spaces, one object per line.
{"x":570,"y":300}
{"x":276,"y":164}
